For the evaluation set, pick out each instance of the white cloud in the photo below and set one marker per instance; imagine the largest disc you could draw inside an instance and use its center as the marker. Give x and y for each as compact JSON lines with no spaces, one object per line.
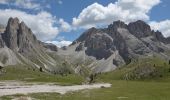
{"x":60,"y":2}
{"x":64,"y":26}
{"x":125,"y":10}
{"x":3,"y":1}
{"x":28,"y":4}
{"x":163,"y":26}
{"x":42,"y":24}
{"x":60,"y":43}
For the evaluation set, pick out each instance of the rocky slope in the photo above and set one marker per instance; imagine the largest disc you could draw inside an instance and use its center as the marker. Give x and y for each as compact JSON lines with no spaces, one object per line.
{"x":18,"y":45}
{"x":96,"y":50}
{"x":105,"y":49}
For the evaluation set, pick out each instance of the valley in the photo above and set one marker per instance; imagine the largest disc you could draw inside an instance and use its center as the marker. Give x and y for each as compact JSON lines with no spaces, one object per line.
{"x":122,"y":61}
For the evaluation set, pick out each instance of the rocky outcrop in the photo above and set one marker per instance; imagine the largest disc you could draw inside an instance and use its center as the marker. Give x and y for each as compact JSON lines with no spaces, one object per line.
{"x":20,"y":42}
{"x":101,"y":50}
{"x":10,"y":36}
{"x":19,"y":37}
{"x":50,"y":46}
{"x":131,"y":41}
{"x":80,"y":47}
{"x":139,"y":29}
{"x":1,"y":42}
{"x":26,"y":41}
{"x":2,"y":28}
{"x":97,"y":43}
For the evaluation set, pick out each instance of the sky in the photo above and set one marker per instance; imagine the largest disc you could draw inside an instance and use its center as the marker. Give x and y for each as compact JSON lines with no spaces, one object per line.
{"x":62,"y":21}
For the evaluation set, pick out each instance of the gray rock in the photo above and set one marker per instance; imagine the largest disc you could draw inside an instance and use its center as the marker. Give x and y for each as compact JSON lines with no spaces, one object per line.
{"x":11,"y":32}
{"x":1,"y":42}
{"x":80,"y":47}
{"x":50,"y":46}
{"x":126,"y":39}
{"x":139,"y":29}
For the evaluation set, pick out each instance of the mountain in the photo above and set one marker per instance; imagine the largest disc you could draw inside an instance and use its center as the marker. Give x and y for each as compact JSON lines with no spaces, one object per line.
{"x":18,"y":45}
{"x":105,"y":49}
{"x":96,"y":50}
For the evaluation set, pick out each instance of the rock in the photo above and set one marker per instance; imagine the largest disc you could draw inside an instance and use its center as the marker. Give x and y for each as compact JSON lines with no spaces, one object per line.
{"x":1,"y":42}
{"x":64,"y":48}
{"x":80,"y":47}
{"x":131,"y":41}
{"x":106,"y":48}
{"x":158,"y":35}
{"x":18,"y":37}
{"x":11,"y":32}
{"x":2,"y":28}
{"x":50,"y":46}
{"x":139,"y":29}
{"x":117,"y":24}
{"x":26,"y":39}
{"x":168,"y":40}
{"x":22,"y":47}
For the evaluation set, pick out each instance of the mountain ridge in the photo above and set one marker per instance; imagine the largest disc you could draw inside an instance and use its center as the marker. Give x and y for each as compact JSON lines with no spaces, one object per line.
{"x":98,"y":50}
{"x":127,"y":41}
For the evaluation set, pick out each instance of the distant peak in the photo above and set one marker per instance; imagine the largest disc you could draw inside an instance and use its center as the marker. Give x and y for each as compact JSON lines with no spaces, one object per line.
{"x":139,"y":22}
{"x":92,"y":29}
{"x":140,"y":29}
{"x":13,"y":20}
{"x":117,"y":24}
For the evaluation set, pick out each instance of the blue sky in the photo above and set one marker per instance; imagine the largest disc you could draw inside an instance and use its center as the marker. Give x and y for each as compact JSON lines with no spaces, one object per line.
{"x":62,"y":21}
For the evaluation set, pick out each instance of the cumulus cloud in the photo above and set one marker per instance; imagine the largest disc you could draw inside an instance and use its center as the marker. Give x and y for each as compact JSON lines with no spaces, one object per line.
{"x":60,"y":2}
{"x":28,"y":4}
{"x":60,"y":43}
{"x":42,"y":23}
{"x":163,"y":26}
{"x":4,"y":2}
{"x":64,"y":26}
{"x":125,"y":10}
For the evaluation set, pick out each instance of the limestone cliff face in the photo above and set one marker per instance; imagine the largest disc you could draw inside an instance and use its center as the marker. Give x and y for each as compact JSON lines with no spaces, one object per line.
{"x":1,"y":42}
{"x":18,"y":40}
{"x":100,"y":49}
{"x":10,"y":36}
{"x":130,"y":40}
{"x":140,"y":29}
{"x":50,"y":46}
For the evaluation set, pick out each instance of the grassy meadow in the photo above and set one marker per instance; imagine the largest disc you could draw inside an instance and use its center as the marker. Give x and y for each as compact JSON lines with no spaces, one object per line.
{"x":154,"y":85}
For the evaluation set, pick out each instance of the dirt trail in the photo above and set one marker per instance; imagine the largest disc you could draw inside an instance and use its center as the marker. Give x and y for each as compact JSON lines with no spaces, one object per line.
{"x":11,"y":88}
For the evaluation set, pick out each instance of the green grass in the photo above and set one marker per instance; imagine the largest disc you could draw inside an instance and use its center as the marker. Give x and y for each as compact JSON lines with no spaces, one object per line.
{"x":23,"y":73}
{"x":148,"y":88}
{"x":161,"y":71}
{"x":131,"y":90}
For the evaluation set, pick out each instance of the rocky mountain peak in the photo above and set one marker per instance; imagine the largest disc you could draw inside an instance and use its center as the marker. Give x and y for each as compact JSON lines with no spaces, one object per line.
{"x":139,"y":29}
{"x":87,"y":34}
{"x":18,"y":36}
{"x":117,"y":24}
{"x":13,"y":21}
{"x":50,"y":46}
{"x":158,"y":35}
{"x":10,"y":34}
{"x":132,"y":40}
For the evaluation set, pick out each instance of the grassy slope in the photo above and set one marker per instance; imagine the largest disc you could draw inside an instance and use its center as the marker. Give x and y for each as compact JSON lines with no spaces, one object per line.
{"x":23,"y":73}
{"x":157,"y":88}
{"x":161,"y":71}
